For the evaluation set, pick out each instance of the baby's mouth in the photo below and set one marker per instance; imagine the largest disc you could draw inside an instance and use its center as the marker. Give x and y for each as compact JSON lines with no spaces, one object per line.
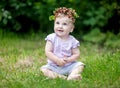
{"x":60,"y":30}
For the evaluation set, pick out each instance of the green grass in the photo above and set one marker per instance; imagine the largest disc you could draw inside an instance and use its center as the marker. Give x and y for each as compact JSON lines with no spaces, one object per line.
{"x":21,"y":58}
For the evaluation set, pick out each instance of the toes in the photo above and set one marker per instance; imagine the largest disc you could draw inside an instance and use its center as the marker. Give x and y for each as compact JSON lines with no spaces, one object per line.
{"x":75,"y":77}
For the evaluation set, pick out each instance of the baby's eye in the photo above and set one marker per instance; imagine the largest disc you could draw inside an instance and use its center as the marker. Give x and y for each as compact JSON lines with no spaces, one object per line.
{"x":64,"y":23}
{"x":57,"y":23}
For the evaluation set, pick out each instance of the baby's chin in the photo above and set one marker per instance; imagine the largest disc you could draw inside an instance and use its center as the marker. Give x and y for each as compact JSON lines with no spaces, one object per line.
{"x":59,"y":34}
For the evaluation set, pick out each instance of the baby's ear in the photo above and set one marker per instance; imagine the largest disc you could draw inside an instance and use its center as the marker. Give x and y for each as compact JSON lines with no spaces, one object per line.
{"x":72,"y":29}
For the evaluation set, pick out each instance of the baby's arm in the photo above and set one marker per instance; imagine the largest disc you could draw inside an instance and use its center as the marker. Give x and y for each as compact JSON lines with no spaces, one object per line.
{"x":51,"y":56}
{"x":75,"y":55}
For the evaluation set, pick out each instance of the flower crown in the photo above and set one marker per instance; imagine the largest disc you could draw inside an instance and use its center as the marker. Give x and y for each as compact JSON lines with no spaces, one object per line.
{"x":71,"y":13}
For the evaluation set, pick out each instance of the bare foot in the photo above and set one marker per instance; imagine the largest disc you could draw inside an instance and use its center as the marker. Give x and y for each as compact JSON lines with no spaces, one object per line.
{"x":75,"y":77}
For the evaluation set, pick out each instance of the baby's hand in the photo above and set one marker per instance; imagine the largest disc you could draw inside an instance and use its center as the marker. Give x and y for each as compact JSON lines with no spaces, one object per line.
{"x":66,"y":60}
{"x":60,"y":62}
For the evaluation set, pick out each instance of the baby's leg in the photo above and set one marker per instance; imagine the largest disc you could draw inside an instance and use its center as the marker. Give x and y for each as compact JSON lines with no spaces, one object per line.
{"x":50,"y":74}
{"x":76,"y":73}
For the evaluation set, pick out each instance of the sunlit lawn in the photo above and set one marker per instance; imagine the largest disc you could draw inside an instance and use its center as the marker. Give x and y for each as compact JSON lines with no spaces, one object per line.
{"x":21,"y":58}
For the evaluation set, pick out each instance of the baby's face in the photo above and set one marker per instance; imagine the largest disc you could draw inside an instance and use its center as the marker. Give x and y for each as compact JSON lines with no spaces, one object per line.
{"x":63,"y":26}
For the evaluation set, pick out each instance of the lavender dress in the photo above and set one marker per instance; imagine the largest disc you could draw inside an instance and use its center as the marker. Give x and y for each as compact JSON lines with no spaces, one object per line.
{"x":62,"y":49}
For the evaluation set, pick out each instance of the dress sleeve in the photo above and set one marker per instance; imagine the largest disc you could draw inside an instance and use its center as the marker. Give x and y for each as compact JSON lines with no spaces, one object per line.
{"x":50,"y":37}
{"x":75,"y":43}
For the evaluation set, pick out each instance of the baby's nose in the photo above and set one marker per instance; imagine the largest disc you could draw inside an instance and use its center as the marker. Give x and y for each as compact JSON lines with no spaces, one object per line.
{"x":60,"y":26}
